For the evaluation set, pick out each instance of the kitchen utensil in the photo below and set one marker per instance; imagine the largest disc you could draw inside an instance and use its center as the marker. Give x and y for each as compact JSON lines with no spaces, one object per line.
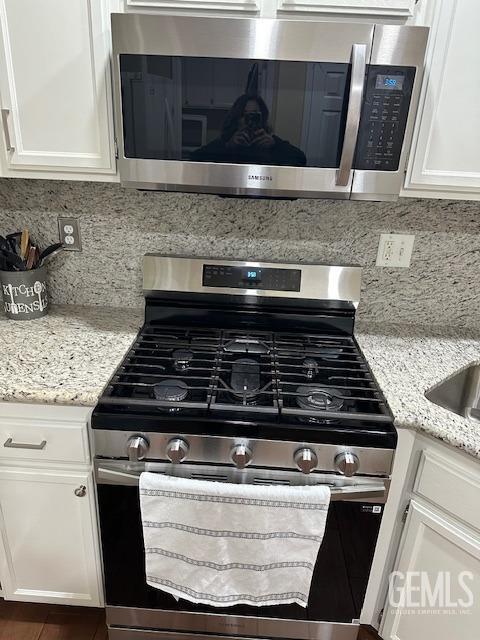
{"x":4,"y":245}
{"x":13,"y":240}
{"x":12,"y":259}
{"x":30,"y":262}
{"x":50,"y":252}
{"x":24,"y":244}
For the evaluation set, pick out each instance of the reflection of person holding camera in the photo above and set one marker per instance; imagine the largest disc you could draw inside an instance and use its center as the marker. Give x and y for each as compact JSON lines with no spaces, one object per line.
{"x":247,"y":138}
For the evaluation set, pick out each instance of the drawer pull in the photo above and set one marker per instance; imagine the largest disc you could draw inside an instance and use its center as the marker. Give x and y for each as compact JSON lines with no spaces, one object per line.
{"x":10,"y":444}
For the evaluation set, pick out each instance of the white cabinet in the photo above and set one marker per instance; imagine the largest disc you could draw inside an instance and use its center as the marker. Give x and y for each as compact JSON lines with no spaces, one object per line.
{"x":441,"y":561}
{"x":49,"y":547}
{"x":49,"y":542}
{"x":444,"y":160}
{"x":55,"y":86}
{"x":425,"y":581}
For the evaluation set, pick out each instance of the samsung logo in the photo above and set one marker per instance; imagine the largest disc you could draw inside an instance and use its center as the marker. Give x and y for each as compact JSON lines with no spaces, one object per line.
{"x":260,"y":178}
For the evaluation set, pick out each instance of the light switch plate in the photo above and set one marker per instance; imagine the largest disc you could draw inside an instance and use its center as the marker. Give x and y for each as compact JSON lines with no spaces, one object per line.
{"x":395,"y":250}
{"x":69,"y":233}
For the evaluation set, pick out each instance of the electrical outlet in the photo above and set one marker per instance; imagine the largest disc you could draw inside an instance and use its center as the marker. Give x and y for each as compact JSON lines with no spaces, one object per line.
{"x":69,"y":233}
{"x":394,"y":250}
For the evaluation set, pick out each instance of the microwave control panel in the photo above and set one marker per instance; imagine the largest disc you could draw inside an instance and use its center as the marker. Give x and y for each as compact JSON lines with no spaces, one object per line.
{"x":272,"y":279}
{"x":384,"y":116}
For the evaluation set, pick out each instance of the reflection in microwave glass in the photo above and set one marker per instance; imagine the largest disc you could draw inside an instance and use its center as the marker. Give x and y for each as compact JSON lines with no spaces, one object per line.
{"x":282,"y":113}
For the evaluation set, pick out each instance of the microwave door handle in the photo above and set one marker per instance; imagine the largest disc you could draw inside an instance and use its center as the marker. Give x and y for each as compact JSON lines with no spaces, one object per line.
{"x":359,"y":65}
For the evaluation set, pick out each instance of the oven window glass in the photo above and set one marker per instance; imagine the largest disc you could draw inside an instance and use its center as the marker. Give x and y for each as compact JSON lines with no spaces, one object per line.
{"x":282,"y":113}
{"x":339,"y":581}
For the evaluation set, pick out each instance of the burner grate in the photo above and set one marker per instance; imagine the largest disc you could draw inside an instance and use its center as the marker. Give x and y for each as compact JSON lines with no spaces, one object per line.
{"x":322,"y":377}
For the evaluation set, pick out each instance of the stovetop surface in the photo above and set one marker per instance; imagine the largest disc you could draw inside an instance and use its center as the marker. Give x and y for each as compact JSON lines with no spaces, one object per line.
{"x":280,"y":385}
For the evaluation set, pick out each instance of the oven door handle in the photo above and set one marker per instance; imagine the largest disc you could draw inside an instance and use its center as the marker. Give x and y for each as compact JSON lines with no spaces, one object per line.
{"x":353,"y":492}
{"x":352,"y":124}
{"x":117,"y":477}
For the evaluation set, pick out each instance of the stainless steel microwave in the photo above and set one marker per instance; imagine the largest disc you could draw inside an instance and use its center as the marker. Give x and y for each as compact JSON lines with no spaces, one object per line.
{"x":288,"y":108}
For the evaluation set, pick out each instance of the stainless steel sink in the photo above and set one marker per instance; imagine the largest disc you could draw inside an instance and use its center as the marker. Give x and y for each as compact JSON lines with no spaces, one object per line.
{"x":459,"y":393}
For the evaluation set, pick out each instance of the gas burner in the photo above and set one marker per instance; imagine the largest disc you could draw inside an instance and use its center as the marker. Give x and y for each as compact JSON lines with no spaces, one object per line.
{"x":182,"y":359}
{"x":246,"y":345}
{"x":311,"y":367}
{"x":245,"y":379}
{"x":313,"y":397}
{"x":171,"y":391}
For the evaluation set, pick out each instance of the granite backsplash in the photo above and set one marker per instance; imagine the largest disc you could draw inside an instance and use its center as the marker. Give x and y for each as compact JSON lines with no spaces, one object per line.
{"x":118,"y":226}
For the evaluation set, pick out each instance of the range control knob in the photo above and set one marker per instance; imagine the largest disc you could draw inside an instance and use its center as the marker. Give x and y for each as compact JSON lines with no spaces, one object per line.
{"x":177,"y":450}
{"x":306,"y":460}
{"x":347,"y":463}
{"x":241,"y":455}
{"x":137,"y":448}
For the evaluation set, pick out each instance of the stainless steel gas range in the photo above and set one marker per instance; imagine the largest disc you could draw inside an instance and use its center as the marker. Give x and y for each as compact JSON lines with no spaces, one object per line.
{"x":244,"y":372}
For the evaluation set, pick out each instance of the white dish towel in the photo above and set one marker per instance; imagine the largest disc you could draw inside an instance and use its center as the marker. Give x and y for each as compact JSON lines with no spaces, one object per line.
{"x":225,"y":544}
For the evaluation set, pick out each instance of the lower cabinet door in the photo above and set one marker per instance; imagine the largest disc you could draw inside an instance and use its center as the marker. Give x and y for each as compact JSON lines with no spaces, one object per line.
{"x":435,"y":591}
{"x":49,"y":544}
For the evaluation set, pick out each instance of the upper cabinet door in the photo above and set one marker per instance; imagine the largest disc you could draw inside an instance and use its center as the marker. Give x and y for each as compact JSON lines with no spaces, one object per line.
{"x":388,"y":9}
{"x":445,"y":158}
{"x":55,"y":85}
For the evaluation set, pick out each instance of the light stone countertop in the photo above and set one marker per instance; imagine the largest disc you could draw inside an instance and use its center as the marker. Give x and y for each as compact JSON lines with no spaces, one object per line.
{"x":66,"y":357}
{"x":69,"y":356}
{"x":407,"y":360}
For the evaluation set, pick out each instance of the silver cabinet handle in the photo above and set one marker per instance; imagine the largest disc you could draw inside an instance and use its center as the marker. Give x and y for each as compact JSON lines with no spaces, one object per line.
{"x":81,"y":491}
{"x":359,"y":65}
{"x":10,"y":444}
{"x":6,"y":130}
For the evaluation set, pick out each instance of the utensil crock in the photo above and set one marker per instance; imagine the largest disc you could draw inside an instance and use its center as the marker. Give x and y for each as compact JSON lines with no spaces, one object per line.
{"x":25,"y":295}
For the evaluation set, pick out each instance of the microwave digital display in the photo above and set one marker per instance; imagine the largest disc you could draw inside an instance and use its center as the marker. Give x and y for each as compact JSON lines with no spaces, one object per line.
{"x":394,"y":83}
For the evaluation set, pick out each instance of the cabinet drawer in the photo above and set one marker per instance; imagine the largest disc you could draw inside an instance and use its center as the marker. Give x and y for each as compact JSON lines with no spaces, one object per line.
{"x":43,"y":441}
{"x":453,"y":487}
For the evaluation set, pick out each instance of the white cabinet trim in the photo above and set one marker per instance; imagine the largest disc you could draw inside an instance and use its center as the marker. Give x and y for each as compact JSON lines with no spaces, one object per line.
{"x":386,"y":8}
{"x":198,"y":5}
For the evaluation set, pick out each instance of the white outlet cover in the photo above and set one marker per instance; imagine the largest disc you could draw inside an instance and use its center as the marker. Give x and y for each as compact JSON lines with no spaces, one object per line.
{"x":395,"y":250}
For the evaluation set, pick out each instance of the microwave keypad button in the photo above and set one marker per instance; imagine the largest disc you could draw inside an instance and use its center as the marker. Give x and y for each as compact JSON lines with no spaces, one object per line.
{"x":384,"y":119}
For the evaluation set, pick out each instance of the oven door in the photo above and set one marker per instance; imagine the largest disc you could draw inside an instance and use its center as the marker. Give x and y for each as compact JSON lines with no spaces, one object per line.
{"x":339,"y":581}
{"x":281,"y":101}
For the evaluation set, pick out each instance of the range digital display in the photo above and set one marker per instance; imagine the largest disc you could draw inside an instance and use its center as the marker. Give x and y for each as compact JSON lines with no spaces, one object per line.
{"x":394,"y":83}
{"x":252,"y":275}
{"x":267,"y":278}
